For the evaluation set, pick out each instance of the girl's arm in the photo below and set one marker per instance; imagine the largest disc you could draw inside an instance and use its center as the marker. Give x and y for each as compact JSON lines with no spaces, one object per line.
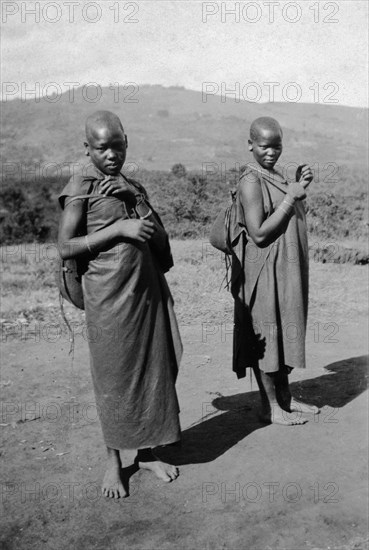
{"x":160,"y":236}
{"x":262,"y":230}
{"x":118,"y":186}
{"x":71,"y":244}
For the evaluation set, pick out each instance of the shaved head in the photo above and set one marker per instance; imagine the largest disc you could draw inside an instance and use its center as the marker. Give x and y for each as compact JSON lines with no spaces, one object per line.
{"x":264,"y":123}
{"x":266,"y":141}
{"x":102,"y":119}
{"x":106,"y":143}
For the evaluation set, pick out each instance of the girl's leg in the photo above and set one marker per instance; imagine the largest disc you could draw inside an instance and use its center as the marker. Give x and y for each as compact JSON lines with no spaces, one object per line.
{"x":112,"y":485}
{"x":283,"y":388}
{"x":285,"y":398}
{"x":271,"y":409}
{"x":148,"y":461}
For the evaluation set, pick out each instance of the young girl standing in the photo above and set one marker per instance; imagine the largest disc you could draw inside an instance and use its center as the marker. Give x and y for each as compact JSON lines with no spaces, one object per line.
{"x":270,"y":275}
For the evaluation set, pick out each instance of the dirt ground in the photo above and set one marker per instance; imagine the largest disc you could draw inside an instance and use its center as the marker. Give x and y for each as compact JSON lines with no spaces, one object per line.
{"x":242,"y":485}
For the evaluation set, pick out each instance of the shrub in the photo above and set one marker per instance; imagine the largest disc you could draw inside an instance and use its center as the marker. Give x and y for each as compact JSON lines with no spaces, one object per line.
{"x":187,"y":202}
{"x":22,"y":221}
{"x":178,"y":170}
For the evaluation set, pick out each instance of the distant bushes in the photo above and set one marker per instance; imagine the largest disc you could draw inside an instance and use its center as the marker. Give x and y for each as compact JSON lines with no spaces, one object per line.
{"x":186,"y":201}
{"x":337,"y":217}
{"x":26,"y":217}
{"x":179,"y":170}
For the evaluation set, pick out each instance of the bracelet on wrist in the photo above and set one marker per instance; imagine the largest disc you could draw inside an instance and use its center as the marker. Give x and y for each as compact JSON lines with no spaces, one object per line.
{"x":289,"y":200}
{"x":286,"y":207}
{"x":287,"y":212}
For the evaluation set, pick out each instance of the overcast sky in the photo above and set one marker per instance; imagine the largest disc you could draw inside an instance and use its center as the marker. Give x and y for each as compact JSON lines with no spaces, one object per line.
{"x":319,"y":46}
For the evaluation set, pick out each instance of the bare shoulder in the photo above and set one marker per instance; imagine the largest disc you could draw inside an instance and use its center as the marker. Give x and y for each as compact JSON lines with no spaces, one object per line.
{"x":249,"y":185}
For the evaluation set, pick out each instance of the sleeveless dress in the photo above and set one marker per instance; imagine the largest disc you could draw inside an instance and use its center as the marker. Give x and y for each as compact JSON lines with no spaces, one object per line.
{"x":133,"y":337}
{"x":270,"y":287}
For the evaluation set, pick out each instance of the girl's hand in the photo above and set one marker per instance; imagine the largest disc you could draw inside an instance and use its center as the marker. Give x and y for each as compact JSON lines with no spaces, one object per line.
{"x":304,"y":175}
{"x":114,"y":185}
{"x":139,"y":230}
{"x":296,"y":190}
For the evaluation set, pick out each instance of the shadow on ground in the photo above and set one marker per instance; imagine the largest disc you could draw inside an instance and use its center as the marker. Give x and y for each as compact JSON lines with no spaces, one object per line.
{"x":206,"y":441}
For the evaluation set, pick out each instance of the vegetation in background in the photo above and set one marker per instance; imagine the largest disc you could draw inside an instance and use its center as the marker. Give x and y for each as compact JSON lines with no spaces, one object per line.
{"x":187,"y":201}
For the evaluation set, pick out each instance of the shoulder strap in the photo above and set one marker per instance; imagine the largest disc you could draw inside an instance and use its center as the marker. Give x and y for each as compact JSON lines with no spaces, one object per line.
{"x":283,"y":189}
{"x":269,"y":178}
{"x":76,"y":197}
{"x":86,"y":195}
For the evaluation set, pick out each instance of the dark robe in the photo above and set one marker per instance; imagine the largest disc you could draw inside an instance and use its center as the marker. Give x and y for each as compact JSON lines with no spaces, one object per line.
{"x":270,"y":286}
{"x":133,"y":337}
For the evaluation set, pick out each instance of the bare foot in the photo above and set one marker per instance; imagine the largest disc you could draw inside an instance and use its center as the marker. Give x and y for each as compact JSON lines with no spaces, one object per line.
{"x":290,"y":404}
{"x":112,"y":486}
{"x":299,"y":406}
{"x":276,"y":415}
{"x":148,"y":461}
{"x":166,"y":472}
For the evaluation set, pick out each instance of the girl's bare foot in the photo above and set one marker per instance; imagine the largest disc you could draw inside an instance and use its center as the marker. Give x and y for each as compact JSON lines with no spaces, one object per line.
{"x":299,"y":406}
{"x":276,"y":415}
{"x":148,"y":461}
{"x":288,"y":402}
{"x":166,"y":472}
{"x":112,"y":485}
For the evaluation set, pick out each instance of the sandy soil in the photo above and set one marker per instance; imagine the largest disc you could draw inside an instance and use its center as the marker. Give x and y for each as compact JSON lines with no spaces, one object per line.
{"x":242,"y":485}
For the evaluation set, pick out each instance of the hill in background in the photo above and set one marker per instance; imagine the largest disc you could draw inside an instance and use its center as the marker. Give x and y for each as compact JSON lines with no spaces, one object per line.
{"x":170,"y":125}
{"x":167,"y":126}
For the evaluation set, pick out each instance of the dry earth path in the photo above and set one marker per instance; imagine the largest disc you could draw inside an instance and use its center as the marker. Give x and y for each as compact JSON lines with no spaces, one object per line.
{"x":243,"y":484}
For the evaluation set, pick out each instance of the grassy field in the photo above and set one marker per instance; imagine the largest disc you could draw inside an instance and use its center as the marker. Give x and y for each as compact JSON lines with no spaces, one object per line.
{"x":30,"y":297}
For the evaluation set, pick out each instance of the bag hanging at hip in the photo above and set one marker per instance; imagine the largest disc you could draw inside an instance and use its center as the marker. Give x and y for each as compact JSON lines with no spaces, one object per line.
{"x":220,"y":233}
{"x":68,"y":274}
{"x":69,"y":280}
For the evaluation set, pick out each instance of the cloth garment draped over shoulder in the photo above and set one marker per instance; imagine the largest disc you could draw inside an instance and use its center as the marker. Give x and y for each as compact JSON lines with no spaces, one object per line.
{"x":133,"y":337}
{"x":270,"y":286}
